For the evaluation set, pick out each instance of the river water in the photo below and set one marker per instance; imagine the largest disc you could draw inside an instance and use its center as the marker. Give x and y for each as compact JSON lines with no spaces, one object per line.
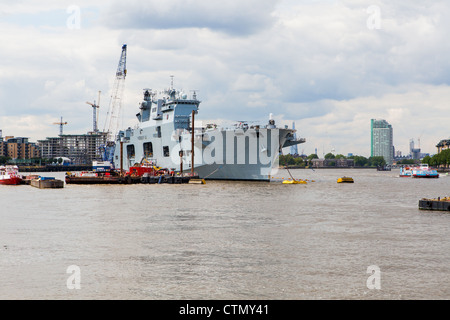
{"x":228,"y":240}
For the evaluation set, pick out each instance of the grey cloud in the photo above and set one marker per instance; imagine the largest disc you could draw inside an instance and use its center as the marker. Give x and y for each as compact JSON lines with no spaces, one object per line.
{"x":231,"y":16}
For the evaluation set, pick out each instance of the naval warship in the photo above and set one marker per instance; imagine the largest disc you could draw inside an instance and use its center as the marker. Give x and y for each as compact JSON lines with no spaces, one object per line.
{"x":168,"y":135}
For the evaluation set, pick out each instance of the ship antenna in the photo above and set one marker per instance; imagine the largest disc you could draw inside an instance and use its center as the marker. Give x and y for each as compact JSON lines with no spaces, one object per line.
{"x":171,"y":82}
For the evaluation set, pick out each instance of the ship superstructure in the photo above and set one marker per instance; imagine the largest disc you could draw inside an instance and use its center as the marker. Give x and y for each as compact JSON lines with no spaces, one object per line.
{"x":166,"y":135}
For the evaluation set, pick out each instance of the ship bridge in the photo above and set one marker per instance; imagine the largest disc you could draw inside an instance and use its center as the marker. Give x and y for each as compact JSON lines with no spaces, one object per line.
{"x":173,"y":107}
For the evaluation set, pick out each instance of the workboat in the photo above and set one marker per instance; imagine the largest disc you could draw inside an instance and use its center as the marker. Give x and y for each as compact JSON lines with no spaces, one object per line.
{"x":167,"y":136}
{"x":9,"y":175}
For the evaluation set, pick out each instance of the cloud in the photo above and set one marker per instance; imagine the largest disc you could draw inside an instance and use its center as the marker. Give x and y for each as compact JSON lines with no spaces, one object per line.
{"x":417,"y":112}
{"x":232,"y":16}
{"x":313,"y":62}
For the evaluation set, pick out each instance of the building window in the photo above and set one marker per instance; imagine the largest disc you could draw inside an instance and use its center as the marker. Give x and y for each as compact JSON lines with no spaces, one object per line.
{"x":166,"y":151}
{"x":130,"y":151}
{"x":158,"y":131}
{"x":148,"y":149}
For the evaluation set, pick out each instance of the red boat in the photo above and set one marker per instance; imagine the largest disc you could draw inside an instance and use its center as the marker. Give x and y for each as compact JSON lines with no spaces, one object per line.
{"x":9,"y":175}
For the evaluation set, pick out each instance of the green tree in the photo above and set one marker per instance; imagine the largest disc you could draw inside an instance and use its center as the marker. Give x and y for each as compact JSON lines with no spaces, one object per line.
{"x":377,"y":161}
{"x":299,"y":161}
{"x":444,"y":158}
{"x":406,"y":161}
{"x":340,"y":156}
{"x":360,"y":161}
{"x":434,"y":161}
{"x":286,"y":159}
{"x":426,"y":160}
{"x":4,"y":160}
{"x":329,"y":155}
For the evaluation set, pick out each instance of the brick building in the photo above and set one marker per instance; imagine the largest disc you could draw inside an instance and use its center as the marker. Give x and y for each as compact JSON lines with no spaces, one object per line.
{"x":18,"y":148}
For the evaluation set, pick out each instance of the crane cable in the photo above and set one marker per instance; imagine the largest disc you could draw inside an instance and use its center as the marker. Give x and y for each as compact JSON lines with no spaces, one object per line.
{"x":286,"y":167}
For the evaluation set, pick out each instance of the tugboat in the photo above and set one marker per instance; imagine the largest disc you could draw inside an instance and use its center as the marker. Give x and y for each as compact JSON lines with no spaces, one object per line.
{"x":165,"y":135}
{"x":9,"y":175}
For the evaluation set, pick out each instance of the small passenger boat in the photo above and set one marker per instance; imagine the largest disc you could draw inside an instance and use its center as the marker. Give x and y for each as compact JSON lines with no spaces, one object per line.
{"x":424,"y":172}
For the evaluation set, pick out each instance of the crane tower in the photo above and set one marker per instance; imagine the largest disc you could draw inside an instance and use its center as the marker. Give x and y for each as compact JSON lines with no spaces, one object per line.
{"x":61,"y":124}
{"x":115,"y":105}
{"x":95,"y":108}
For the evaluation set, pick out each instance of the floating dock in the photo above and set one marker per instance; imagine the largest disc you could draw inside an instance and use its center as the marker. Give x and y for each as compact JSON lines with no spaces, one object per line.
{"x":47,"y":183}
{"x":100,"y":178}
{"x":27,"y":179}
{"x":435,"y":204}
{"x":115,"y":178}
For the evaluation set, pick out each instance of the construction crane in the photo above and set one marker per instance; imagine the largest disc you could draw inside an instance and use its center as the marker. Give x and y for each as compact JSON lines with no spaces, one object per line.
{"x":95,"y":108}
{"x":61,"y":124}
{"x":115,"y":106}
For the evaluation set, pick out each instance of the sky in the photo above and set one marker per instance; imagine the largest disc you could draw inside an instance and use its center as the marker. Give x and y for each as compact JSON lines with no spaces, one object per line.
{"x":327,"y":66}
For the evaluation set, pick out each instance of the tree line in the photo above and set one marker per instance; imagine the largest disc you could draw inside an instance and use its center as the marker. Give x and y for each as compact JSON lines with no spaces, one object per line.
{"x":437,"y":160}
{"x":360,"y":161}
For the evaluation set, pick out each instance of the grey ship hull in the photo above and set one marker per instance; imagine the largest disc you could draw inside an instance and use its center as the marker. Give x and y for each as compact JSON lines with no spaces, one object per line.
{"x":250,"y":154}
{"x":165,"y":139}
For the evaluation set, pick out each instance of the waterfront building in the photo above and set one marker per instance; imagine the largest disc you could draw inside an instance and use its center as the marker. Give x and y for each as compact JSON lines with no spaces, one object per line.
{"x":382,"y":140}
{"x":338,"y":163}
{"x":18,"y":148}
{"x":80,"y":149}
{"x":443,"y":145}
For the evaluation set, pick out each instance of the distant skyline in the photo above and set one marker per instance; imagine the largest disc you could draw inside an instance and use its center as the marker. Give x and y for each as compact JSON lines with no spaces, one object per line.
{"x":329,"y":66}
